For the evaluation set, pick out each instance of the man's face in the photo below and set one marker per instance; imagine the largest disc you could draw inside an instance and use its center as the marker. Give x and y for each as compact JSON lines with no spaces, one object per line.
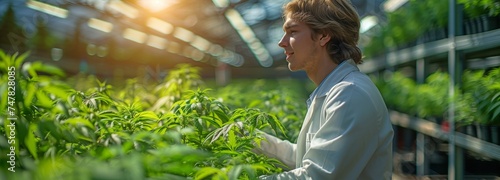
{"x":300,"y":48}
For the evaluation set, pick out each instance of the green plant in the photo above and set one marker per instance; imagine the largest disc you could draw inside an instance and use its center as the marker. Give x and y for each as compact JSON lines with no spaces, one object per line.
{"x":484,"y":90}
{"x":467,"y":108}
{"x":466,"y":112}
{"x":65,"y":133}
{"x":399,"y":93}
{"x":28,"y":96}
{"x":476,"y":102}
{"x":492,"y":96}
{"x":433,"y":96}
{"x":284,"y":98}
{"x":184,"y":77}
{"x":475,"y":8}
{"x":407,"y":24}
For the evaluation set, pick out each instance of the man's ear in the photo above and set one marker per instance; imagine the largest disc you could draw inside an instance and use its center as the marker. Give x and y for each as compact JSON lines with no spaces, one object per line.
{"x":325,"y":38}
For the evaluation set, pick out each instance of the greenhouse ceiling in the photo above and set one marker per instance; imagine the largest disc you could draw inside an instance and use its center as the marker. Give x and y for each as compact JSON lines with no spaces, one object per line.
{"x":242,"y":33}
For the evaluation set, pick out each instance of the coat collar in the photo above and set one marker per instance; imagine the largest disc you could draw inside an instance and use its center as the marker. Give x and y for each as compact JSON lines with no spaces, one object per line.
{"x":337,"y":75}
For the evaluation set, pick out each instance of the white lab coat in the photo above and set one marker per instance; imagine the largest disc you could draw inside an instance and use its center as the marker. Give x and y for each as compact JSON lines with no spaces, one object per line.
{"x":346,"y":133}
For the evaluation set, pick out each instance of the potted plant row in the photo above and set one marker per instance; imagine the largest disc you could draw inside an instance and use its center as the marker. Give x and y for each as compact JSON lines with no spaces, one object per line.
{"x":477,"y":102}
{"x":408,"y":26}
{"x":480,"y":16}
{"x":478,"y":107}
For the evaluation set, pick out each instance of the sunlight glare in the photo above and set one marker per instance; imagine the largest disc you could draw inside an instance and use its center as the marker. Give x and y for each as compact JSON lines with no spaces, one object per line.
{"x":156,"y":5}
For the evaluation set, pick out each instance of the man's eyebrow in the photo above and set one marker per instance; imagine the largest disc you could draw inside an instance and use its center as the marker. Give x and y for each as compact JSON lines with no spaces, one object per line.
{"x":288,"y":26}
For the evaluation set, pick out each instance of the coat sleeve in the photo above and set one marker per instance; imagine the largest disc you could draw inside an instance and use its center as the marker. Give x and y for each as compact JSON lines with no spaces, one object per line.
{"x":346,"y":140}
{"x":279,"y":149}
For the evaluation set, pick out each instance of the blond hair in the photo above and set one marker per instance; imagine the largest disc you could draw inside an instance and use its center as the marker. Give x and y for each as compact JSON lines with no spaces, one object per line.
{"x":337,"y":18}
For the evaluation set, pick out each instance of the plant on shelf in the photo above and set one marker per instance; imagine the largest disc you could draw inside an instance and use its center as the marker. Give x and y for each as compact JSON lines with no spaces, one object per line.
{"x":467,"y":112}
{"x":484,"y":88}
{"x":406,"y":25}
{"x":433,"y":97}
{"x":478,"y":105}
{"x":492,"y":107}
{"x":398,"y":92}
{"x":476,"y":101}
{"x":475,"y":8}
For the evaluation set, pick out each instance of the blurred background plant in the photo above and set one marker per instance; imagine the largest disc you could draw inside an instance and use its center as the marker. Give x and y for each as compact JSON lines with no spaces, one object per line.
{"x":477,"y":8}
{"x":477,"y":102}
{"x":408,"y":26}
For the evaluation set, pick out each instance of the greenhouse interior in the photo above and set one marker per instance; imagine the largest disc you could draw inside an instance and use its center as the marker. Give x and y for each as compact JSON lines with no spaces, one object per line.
{"x":152,"y":89}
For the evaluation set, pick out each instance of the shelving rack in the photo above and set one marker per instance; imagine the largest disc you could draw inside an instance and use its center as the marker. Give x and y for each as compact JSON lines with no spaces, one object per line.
{"x":454,"y":51}
{"x":467,"y":43}
{"x":434,"y":130}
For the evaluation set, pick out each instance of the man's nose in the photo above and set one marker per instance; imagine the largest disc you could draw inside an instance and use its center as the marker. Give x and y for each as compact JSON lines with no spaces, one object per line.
{"x":283,"y":42}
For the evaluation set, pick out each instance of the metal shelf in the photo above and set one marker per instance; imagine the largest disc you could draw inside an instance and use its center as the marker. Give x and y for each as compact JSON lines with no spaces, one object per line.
{"x":484,"y":63}
{"x":466,"y":43}
{"x":432,"y":129}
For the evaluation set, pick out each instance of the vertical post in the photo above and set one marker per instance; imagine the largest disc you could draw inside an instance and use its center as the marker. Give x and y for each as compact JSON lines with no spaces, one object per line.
{"x":222,"y":74}
{"x":455,"y":65}
{"x":421,"y":71}
{"x":451,"y":90}
{"x":421,"y":159}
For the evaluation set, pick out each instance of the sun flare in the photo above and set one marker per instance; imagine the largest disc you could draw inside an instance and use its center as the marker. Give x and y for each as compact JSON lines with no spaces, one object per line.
{"x":156,"y":5}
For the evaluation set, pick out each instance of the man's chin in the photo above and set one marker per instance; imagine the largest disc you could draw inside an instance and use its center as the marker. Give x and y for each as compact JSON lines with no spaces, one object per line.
{"x":293,"y":69}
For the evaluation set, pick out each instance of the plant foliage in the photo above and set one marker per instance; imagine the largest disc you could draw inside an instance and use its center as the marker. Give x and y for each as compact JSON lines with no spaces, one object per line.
{"x":173,"y":130}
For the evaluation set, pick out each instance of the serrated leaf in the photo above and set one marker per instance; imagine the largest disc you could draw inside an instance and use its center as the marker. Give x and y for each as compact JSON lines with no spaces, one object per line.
{"x":214,"y":135}
{"x":198,"y":124}
{"x":231,"y":140}
{"x":262,"y":167}
{"x":78,"y":121}
{"x":28,"y":68}
{"x":222,"y":116}
{"x":276,"y":124}
{"x":210,"y":120}
{"x":206,"y":172}
{"x":30,"y":141}
{"x":145,"y":115}
{"x":19,"y":60}
{"x":43,"y":100}
{"x":84,"y":138}
{"x":30,"y":93}
{"x":49,"y":69}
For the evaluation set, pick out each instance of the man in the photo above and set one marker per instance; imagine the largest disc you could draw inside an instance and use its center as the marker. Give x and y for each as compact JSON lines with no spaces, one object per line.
{"x":346,"y":133}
